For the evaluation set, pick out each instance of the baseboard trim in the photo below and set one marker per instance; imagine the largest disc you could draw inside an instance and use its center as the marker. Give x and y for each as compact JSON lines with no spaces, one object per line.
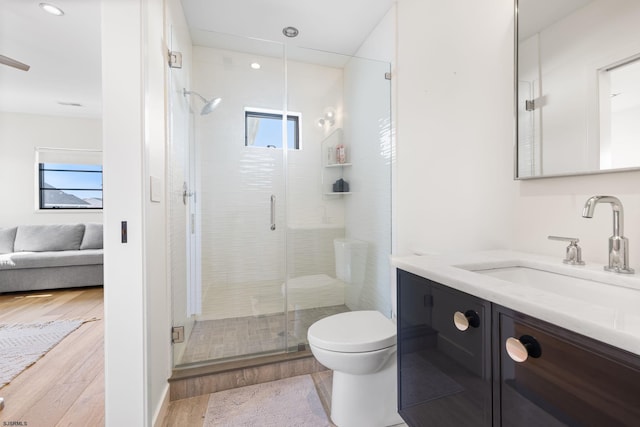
{"x":163,"y":409}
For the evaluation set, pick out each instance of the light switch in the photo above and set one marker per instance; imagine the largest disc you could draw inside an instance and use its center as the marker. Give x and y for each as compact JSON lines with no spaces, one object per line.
{"x":156,"y":189}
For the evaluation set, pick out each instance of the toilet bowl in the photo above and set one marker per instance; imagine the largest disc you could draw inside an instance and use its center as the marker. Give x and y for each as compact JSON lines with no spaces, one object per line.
{"x":360,"y":348}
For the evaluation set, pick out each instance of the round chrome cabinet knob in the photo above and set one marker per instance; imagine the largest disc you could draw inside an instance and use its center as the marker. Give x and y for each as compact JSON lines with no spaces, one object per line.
{"x":520,"y":349}
{"x":463,"y":321}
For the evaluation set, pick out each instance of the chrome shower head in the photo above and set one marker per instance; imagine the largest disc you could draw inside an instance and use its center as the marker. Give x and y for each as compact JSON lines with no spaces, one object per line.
{"x":209,"y":105}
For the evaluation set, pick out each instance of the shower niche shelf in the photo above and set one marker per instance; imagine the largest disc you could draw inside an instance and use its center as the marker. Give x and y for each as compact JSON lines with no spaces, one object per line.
{"x":332,"y":170}
{"x":338,"y":193}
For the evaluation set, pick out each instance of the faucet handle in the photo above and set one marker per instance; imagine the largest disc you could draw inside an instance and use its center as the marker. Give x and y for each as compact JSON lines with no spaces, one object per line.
{"x":565,"y":239}
{"x":574,"y":252}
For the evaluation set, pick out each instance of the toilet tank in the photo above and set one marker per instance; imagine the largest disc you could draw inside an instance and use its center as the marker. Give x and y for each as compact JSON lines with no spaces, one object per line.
{"x":351,"y":259}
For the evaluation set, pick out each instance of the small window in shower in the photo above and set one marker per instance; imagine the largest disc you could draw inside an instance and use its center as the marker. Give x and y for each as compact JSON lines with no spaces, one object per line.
{"x":263,"y":128}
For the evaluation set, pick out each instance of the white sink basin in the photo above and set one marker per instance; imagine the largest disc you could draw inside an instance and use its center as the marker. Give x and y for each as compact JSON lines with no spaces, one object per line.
{"x":584,"y":299}
{"x":533,"y":277}
{"x":564,"y":285}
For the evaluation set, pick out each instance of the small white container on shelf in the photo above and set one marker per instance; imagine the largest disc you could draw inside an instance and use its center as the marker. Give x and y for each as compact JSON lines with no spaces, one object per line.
{"x":341,"y":154}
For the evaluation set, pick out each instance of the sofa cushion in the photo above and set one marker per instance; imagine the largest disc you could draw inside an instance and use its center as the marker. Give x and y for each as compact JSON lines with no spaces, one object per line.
{"x":7,"y":236}
{"x":92,"y":236}
{"x":19,"y":260}
{"x":38,"y":238}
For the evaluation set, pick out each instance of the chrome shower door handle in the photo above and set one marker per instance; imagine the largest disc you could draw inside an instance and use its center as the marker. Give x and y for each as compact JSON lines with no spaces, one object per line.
{"x":273,"y":212}
{"x":185,"y":193}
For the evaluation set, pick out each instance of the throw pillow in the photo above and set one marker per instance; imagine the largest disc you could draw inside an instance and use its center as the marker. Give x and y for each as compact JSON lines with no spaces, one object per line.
{"x":39,"y":238}
{"x":92,"y":237}
{"x":7,"y":236}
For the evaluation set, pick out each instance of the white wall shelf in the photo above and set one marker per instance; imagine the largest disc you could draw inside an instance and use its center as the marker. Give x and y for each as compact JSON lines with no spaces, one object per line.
{"x":337,"y":165}
{"x":331,"y":172}
{"x":338,"y":193}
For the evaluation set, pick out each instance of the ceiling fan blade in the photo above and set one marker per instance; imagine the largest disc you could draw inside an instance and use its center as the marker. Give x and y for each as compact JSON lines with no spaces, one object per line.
{"x":13,"y":63}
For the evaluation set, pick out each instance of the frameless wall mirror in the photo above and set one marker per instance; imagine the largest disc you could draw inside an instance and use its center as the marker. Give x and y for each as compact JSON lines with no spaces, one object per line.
{"x":578,"y":87}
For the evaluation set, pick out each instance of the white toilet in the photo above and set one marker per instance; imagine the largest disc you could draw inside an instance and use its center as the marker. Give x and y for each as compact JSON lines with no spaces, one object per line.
{"x":360,"y":348}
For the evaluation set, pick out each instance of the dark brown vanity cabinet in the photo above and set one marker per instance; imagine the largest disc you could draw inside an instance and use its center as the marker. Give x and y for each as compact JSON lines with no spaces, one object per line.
{"x":565,"y":379}
{"x":505,"y":368}
{"x":444,"y":355}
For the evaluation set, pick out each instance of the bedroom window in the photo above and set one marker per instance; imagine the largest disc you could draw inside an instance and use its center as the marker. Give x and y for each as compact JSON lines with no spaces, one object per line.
{"x":263,"y":128}
{"x":68,"y":178}
{"x":70,"y":186}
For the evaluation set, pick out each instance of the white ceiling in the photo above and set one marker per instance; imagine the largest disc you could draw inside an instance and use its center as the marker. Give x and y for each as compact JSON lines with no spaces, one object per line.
{"x":535,"y":15}
{"x":338,"y":26}
{"x":64,"y":51}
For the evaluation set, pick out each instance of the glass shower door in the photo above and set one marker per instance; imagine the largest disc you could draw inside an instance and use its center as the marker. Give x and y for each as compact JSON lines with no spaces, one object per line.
{"x":241,"y":199}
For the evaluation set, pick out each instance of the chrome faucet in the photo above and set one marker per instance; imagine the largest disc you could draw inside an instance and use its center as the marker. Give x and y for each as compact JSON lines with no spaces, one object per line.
{"x":618,"y":244}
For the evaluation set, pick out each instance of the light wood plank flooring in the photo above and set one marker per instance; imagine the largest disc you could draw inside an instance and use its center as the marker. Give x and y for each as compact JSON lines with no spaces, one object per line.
{"x":66,"y":386}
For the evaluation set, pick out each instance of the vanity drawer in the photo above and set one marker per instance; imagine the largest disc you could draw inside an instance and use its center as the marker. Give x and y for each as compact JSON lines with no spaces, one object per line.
{"x":573,"y":380}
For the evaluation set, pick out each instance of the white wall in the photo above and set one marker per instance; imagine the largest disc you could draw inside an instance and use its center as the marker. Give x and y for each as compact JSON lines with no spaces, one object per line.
{"x":455,"y":126}
{"x":380,"y":44}
{"x":125,"y":306}
{"x":155,"y":209}
{"x":20,"y":134}
{"x":137,"y":310}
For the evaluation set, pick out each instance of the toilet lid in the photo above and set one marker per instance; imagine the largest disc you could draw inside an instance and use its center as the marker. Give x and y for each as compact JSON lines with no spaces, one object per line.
{"x":353,"y":332}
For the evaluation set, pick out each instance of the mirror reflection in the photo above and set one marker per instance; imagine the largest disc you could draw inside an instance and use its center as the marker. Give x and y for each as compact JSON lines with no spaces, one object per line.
{"x":578,"y":87}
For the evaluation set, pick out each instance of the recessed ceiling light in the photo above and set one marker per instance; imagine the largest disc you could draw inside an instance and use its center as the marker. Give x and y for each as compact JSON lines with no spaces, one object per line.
{"x":54,"y":10}
{"x":255,"y":66}
{"x":290,"y":31}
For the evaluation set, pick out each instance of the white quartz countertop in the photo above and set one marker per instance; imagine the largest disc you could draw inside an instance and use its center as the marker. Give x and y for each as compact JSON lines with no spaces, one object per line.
{"x":605,"y":307}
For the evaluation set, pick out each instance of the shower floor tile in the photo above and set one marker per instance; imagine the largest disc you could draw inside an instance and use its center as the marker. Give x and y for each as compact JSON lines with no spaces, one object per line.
{"x":224,"y":339}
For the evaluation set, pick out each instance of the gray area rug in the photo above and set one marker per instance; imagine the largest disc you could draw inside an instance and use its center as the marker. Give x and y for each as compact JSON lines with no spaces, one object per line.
{"x":21,"y":345}
{"x":290,"y":402}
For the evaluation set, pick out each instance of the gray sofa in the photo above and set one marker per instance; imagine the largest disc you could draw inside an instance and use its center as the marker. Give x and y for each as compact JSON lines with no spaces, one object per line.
{"x":35,"y":257}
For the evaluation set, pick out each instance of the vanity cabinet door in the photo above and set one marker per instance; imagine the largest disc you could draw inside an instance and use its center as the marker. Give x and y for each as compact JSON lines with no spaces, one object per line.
{"x":444,"y":358}
{"x":562,"y":378}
